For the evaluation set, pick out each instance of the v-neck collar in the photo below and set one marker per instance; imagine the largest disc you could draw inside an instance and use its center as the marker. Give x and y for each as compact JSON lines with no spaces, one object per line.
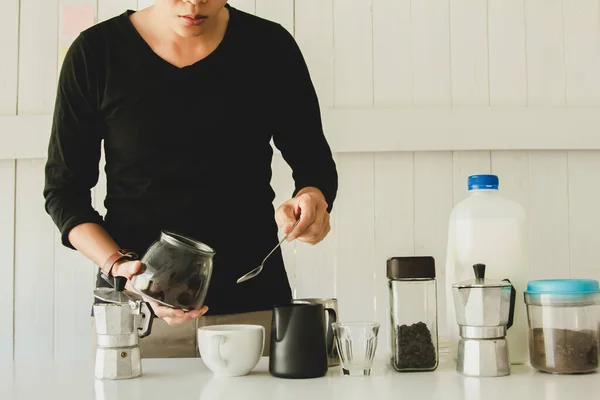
{"x":125,"y":18}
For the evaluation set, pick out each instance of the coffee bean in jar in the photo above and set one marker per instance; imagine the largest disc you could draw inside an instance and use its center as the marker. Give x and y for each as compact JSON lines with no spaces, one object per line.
{"x":414,"y":347}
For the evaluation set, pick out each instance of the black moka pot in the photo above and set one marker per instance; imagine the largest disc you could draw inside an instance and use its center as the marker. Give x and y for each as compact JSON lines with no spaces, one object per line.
{"x":297,"y":347}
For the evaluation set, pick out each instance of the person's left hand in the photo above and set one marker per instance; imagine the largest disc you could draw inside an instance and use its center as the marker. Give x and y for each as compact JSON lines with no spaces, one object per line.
{"x":310,"y":206}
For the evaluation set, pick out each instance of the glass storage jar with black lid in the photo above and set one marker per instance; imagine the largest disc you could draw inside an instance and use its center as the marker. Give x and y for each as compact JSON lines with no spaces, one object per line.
{"x":563,"y":325}
{"x":413,"y":313}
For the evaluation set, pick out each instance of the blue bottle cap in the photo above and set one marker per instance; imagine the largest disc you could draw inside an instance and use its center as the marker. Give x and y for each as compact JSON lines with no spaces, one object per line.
{"x":478,"y":182}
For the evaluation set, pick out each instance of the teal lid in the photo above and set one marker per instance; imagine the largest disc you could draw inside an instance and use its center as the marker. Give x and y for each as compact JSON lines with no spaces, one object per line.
{"x":563,"y":286}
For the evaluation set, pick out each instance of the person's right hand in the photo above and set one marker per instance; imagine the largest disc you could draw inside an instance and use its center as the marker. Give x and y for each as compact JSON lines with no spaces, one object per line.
{"x":171,"y":316}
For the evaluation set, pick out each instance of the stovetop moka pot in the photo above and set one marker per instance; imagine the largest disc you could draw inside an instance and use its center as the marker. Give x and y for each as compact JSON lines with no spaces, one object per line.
{"x":121,"y":319}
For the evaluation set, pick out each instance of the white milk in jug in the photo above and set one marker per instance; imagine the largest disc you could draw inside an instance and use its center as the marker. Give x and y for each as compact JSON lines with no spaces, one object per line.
{"x":489,"y":229}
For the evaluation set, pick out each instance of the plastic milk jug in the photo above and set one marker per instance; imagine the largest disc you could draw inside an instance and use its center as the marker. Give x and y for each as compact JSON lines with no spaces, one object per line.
{"x":489,"y":229}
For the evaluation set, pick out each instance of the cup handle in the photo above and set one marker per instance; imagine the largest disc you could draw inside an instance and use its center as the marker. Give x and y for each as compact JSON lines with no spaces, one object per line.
{"x":215,"y":350}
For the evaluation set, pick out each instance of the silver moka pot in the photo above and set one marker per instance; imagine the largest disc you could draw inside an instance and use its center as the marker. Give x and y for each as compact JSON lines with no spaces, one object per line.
{"x":120,"y":320}
{"x":484,"y":312}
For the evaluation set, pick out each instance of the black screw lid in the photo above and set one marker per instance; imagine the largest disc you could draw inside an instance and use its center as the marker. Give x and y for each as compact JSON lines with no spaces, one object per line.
{"x":417,"y":267}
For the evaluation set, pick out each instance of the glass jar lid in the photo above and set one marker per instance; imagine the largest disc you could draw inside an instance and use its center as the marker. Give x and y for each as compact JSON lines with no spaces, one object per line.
{"x":563,"y":292}
{"x":417,"y":267}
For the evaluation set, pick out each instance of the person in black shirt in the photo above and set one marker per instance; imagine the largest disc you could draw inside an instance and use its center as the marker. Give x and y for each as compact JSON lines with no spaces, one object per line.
{"x":186,"y":96}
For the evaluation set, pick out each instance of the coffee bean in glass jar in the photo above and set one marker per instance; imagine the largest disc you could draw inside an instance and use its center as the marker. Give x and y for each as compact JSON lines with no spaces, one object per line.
{"x":414,"y":347}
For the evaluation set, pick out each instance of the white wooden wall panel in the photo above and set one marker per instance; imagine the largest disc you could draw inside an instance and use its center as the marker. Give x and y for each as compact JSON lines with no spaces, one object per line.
{"x":111,"y":8}
{"x":392,"y":58}
{"x":394,"y":228}
{"x":433,"y":205}
{"x":314,"y":34}
{"x":431,"y":52}
{"x":34,"y":266}
{"x":545,"y":52}
{"x":37,"y":56}
{"x":353,"y":50}
{"x":141,"y":4}
{"x":469,"y":52}
{"x":508,"y":70}
{"x":464,"y":164}
{"x":549,"y":214}
{"x":283,"y":186}
{"x":582,"y":52}
{"x":280,"y":11}
{"x":248,"y":6}
{"x":7,"y":242}
{"x":317,"y":267}
{"x":584,"y":214}
{"x":73,"y":296}
{"x":355,"y":285}
{"x":9,"y":43}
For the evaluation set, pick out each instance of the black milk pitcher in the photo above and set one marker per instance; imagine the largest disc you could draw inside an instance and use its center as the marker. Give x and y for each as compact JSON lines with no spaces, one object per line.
{"x":297,"y":348}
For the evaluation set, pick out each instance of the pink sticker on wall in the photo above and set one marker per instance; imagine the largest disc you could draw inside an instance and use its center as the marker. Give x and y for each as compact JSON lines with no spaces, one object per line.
{"x":76,"y":19}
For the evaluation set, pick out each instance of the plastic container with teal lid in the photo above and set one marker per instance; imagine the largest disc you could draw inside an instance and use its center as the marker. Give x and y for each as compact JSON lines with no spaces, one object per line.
{"x":563,"y":318}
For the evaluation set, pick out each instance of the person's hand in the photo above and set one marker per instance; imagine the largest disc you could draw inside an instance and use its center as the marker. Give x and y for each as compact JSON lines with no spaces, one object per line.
{"x":310,"y":205}
{"x":170,"y":315}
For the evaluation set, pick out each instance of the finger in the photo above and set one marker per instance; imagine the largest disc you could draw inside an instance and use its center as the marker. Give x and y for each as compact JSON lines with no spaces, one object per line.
{"x":163,"y":311}
{"x":127,"y":269}
{"x":285,"y":217}
{"x":308,"y":214}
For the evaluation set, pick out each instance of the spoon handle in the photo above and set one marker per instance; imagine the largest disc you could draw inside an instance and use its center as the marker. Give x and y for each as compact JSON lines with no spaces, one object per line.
{"x":282,"y":240}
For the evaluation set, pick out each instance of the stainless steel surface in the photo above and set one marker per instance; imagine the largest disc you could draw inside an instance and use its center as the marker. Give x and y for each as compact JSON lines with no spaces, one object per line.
{"x":331,"y":316}
{"x":118,"y":329}
{"x":482,"y":306}
{"x":483,"y":310}
{"x":482,"y":332}
{"x":483,"y":358}
{"x":117,"y":340}
{"x":118,"y":363}
{"x":259,"y":269}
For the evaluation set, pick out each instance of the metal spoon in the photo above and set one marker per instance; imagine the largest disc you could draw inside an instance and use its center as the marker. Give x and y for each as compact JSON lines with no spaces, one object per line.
{"x":258,"y":269}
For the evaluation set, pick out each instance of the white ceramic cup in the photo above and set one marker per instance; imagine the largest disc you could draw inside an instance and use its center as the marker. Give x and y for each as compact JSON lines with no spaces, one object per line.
{"x":231,"y":350}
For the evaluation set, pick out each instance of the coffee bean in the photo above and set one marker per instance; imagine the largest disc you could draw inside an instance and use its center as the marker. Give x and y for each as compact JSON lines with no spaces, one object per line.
{"x":414,"y":347}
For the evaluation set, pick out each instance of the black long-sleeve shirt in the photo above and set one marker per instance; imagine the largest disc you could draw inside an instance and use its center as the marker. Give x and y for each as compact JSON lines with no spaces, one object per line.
{"x":188,"y":149}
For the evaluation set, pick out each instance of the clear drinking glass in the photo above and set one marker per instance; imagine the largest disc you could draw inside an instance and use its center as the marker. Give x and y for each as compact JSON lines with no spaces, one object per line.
{"x":356,"y":343}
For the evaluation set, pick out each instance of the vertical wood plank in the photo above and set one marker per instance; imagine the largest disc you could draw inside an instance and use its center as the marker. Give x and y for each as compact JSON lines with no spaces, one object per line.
{"x":507,"y":56}
{"x":248,"y":6}
{"x":34,"y":266}
{"x":512,"y":168}
{"x":38,"y":44}
{"x":549,"y":214}
{"x":111,"y":8}
{"x":584,"y":214}
{"x":394,"y":228}
{"x":9,"y":43}
{"x":280,"y":11}
{"x":283,"y":186}
{"x":355,"y":269}
{"x":545,"y":53}
{"x":353,"y":53}
{"x":315,"y":267}
{"x":469,"y":44}
{"x":431,"y":52}
{"x":314,"y":34}
{"x":7,"y":243}
{"x":73,"y":299}
{"x":433,"y":205}
{"x":141,"y":4}
{"x":582,"y":52}
{"x":392,"y":58}
{"x":464,"y":164}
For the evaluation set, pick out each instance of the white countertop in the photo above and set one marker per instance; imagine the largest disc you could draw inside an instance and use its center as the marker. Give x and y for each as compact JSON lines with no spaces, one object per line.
{"x":182,"y":379}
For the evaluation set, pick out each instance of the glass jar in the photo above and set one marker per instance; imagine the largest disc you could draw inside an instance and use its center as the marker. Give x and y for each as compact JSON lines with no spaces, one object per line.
{"x":563,"y":316}
{"x":177,"y":271}
{"x":413,"y":313}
